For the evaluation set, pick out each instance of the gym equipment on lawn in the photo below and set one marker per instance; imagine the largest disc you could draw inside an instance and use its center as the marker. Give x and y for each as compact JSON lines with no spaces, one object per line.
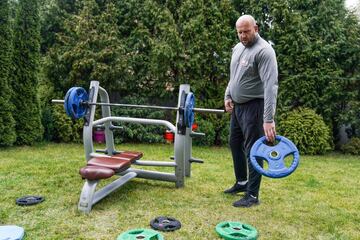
{"x":144,"y":234}
{"x":11,"y":232}
{"x":29,"y":200}
{"x":105,"y":163}
{"x":76,"y":102}
{"x":165,"y":224}
{"x":275,"y":157}
{"x":236,"y":231}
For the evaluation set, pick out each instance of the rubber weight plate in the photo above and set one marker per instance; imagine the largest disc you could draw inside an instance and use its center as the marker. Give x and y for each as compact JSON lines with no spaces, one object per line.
{"x":29,"y":200}
{"x":275,"y":157}
{"x":189,"y":109}
{"x":236,"y":231}
{"x":73,"y":102}
{"x":143,"y":234}
{"x":165,"y":224}
{"x":11,"y":232}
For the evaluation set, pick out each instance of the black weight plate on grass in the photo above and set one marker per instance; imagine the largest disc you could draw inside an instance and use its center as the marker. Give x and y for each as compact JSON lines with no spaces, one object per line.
{"x":29,"y":200}
{"x":165,"y":224}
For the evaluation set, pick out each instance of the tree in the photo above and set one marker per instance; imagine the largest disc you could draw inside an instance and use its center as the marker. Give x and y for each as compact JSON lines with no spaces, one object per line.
{"x":317,"y":47}
{"x":207,"y":30}
{"x":153,"y":45}
{"x":88,"y":49}
{"x":7,"y":122}
{"x":25,"y":79}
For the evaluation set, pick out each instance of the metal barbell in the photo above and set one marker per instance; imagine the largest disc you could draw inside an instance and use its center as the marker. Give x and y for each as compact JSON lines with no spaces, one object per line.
{"x":205,"y":110}
{"x":76,"y":103}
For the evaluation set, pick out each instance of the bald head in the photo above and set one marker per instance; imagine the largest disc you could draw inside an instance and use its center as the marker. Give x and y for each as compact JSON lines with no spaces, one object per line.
{"x":246,"y":29}
{"x":246,"y":18}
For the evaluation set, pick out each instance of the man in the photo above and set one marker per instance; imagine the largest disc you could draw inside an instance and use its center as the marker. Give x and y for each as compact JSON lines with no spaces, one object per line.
{"x":250,"y":97}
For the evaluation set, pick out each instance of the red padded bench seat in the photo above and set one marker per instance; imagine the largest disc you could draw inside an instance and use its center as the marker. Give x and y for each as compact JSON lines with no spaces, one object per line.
{"x":96,"y":173}
{"x":105,"y":167}
{"x":132,"y":156}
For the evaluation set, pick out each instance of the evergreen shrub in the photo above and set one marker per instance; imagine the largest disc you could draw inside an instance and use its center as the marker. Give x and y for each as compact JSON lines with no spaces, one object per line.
{"x":134,"y":132}
{"x":352,"y":147}
{"x":207,"y":127}
{"x":65,"y":129}
{"x":307,"y":130}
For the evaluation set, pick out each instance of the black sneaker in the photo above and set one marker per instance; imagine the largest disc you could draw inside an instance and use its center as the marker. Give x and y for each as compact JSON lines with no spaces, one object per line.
{"x":247,"y":201}
{"x":236,"y":189}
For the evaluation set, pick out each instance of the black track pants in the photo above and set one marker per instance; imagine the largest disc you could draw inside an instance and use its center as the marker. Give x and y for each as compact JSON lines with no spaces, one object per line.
{"x":246,"y":127}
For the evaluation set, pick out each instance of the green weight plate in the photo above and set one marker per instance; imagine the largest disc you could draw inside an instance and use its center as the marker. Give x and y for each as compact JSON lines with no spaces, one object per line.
{"x":140,"y":234}
{"x":236,"y":231}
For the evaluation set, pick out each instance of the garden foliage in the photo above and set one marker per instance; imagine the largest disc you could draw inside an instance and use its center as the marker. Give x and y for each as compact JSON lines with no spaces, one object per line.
{"x":352,"y":147}
{"x":7,"y":122}
{"x":307,"y":130}
{"x":24,"y":78}
{"x":146,"y":49}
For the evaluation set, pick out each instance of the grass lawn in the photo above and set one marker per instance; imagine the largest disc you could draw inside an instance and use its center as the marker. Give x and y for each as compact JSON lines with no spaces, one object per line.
{"x":320,"y":200}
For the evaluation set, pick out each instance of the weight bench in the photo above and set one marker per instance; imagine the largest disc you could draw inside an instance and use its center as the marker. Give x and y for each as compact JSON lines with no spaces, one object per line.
{"x":103,"y":167}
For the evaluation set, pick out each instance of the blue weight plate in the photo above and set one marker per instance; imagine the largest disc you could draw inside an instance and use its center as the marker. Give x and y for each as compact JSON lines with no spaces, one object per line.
{"x":189,"y":107}
{"x":73,"y":102}
{"x":11,"y":232}
{"x":275,"y":157}
{"x":66,"y":101}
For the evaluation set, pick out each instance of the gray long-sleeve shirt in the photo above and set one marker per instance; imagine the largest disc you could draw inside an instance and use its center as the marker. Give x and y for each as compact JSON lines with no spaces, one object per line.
{"x":254,"y":74}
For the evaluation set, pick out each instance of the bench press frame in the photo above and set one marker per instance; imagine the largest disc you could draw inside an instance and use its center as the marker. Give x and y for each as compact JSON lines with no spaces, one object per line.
{"x":182,"y":149}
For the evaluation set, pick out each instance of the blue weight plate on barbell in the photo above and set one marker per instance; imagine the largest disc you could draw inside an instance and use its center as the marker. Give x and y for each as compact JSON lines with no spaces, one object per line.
{"x":189,"y":109}
{"x":73,"y":102}
{"x":275,"y":157}
{"x":67,"y":109}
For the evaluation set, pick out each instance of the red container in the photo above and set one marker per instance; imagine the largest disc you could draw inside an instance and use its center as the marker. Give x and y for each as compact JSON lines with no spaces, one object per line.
{"x":169,"y":136}
{"x":99,"y":136}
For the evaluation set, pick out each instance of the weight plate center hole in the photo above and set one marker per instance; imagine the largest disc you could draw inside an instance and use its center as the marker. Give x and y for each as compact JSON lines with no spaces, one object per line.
{"x":274,"y":154}
{"x":236,"y":228}
{"x":140,"y":237}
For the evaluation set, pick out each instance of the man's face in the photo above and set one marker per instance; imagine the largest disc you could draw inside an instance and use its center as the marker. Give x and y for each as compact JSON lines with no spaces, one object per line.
{"x":246,"y":32}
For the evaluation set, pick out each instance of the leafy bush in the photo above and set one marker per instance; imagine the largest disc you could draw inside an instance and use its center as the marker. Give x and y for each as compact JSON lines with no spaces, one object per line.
{"x":207,"y":127}
{"x":134,"y":132}
{"x":352,"y":147}
{"x":307,"y":130}
{"x":65,"y":129}
{"x":47,"y":120}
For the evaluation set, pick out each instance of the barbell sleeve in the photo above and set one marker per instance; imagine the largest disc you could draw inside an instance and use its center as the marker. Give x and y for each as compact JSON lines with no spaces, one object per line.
{"x":208,"y":110}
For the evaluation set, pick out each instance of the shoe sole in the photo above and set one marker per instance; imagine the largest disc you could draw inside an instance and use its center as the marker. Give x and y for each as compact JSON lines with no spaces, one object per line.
{"x":235,"y":192}
{"x":243,"y":206}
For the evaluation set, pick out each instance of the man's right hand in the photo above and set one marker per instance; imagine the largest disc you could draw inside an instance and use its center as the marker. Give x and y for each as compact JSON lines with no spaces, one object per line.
{"x":229,"y":105}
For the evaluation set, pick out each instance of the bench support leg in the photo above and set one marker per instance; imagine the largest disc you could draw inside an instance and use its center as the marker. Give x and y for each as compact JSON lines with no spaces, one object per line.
{"x":89,"y":197}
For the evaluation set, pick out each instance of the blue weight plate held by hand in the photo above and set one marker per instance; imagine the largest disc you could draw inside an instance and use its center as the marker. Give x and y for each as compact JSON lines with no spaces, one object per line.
{"x":275,"y":157}
{"x":74,"y":100}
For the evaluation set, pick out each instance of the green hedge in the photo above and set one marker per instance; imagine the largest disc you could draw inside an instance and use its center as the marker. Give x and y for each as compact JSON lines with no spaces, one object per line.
{"x":307,"y":130}
{"x":352,"y":147}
